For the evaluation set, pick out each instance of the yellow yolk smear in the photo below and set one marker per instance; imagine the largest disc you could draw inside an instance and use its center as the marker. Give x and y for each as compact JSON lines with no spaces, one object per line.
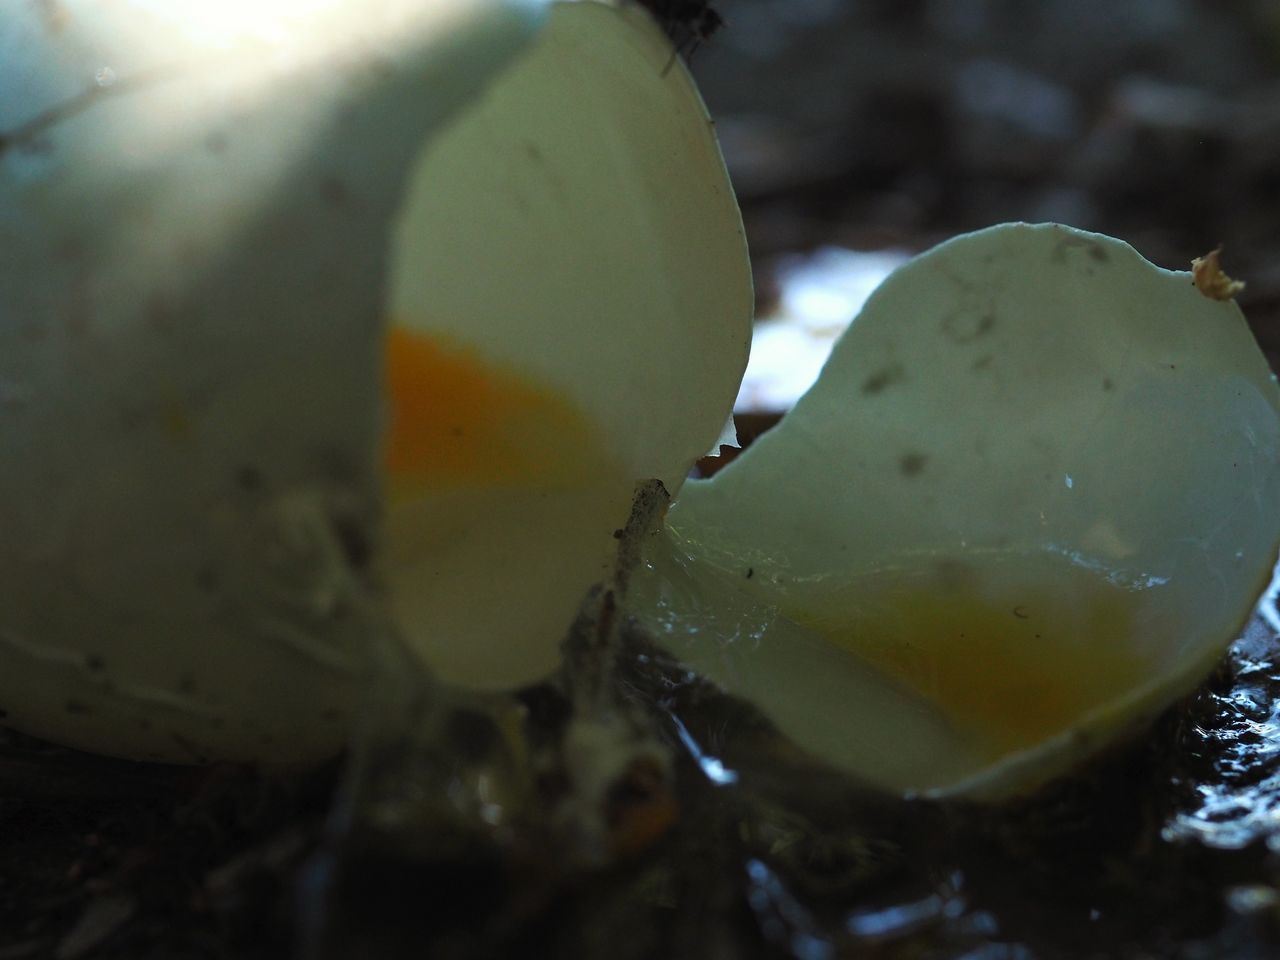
{"x":502,"y":498}
{"x":458,"y":421}
{"x":1011,"y":658}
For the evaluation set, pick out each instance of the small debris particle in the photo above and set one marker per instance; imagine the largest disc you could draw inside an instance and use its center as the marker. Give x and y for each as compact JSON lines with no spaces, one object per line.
{"x":911,"y":464}
{"x":77,"y":707}
{"x":1021,"y":613}
{"x":886,"y":377}
{"x":963,"y":327}
{"x":688,"y":23}
{"x":751,"y":572}
{"x":1207,"y":275}
{"x":1093,"y":248}
{"x":95,"y":663}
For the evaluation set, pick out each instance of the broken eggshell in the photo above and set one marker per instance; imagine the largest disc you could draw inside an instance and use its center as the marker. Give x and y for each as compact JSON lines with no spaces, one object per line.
{"x":1030,"y":501}
{"x":603,"y":344}
{"x":209,"y":215}
{"x":1033,"y":496}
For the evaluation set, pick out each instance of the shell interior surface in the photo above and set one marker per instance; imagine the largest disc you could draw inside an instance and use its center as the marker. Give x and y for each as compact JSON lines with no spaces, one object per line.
{"x":603,"y":344}
{"x":1031,"y":499}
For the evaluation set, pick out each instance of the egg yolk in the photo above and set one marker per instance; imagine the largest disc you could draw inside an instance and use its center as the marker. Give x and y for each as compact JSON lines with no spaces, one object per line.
{"x":1008,"y":665}
{"x":459,"y":421}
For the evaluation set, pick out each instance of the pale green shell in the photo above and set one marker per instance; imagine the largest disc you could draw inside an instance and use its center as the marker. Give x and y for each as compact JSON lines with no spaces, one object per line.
{"x":1015,"y":395}
{"x":616,"y":271}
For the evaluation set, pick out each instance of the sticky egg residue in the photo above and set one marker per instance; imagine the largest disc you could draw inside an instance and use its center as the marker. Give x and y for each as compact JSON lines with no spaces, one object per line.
{"x":1012,"y":652}
{"x":498,"y":485}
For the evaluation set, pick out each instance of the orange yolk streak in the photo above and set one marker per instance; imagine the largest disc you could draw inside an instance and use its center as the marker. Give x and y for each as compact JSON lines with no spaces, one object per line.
{"x":459,"y":421}
{"x":1011,"y":669}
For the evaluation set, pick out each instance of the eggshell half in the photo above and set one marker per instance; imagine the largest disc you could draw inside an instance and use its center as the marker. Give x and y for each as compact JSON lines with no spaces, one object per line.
{"x":1027,"y":421}
{"x":572,"y":250}
{"x":194,"y":229}
{"x":302,"y":345}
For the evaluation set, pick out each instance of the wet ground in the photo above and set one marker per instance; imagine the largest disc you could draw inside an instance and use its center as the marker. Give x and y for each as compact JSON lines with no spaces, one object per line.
{"x":1167,"y":848}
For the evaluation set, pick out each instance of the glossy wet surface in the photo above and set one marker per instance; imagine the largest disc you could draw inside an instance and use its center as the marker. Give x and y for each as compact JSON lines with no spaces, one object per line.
{"x":471,"y":841}
{"x":1165,"y":848}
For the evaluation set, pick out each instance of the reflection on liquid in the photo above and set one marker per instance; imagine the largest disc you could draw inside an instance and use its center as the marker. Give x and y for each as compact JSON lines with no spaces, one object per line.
{"x":900,"y":920}
{"x":715,"y":770}
{"x":1037,"y":879}
{"x":783,"y":919}
{"x":1235,"y":736}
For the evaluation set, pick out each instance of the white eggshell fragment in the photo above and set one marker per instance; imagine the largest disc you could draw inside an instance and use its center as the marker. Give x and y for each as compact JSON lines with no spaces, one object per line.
{"x":1031,"y":499}
{"x":194,"y":211}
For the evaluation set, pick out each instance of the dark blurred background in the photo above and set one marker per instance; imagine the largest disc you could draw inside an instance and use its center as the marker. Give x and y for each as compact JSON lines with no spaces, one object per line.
{"x":873,"y":124}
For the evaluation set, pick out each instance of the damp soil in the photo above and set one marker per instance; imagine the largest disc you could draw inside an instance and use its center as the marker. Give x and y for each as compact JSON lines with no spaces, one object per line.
{"x":1168,"y":847}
